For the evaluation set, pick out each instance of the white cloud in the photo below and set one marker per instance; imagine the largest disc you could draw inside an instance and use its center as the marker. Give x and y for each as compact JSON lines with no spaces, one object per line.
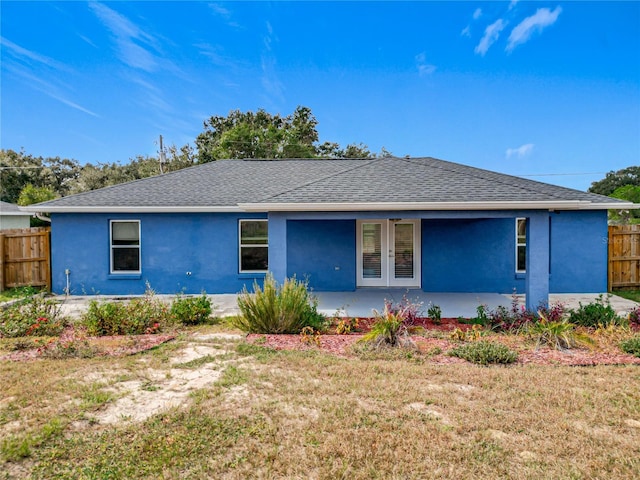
{"x":520,"y":152}
{"x":477,"y":13}
{"x":424,"y":68}
{"x":536,"y":22}
{"x":466,"y":31}
{"x":512,"y":4}
{"x":224,"y":13}
{"x":491,"y":34}
{"x":128,"y":37}
{"x":23,"y":54}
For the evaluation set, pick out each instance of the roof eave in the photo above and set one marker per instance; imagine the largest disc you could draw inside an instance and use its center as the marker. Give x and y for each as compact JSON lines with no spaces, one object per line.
{"x":408,"y":206}
{"x":132,"y":209}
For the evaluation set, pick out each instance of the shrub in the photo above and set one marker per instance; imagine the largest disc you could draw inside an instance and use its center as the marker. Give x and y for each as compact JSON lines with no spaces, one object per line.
{"x":139,"y":316}
{"x":390,"y":329}
{"x":435,"y":313}
{"x":631,"y":345}
{"x":484,"y":353}
{"x":405,"y":309}
{"x":347,"y":325}
{"x":599,"y":313}
{"x":191,"y":310}
{"x":286,"y":308}
{"x":634,"y":317}
{"x":36,"y":317}
{"x":559,"y":334}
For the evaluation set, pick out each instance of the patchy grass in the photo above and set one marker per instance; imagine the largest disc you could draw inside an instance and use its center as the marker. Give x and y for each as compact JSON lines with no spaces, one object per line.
{"x":629,"y":294}
{"x":307,"y":414}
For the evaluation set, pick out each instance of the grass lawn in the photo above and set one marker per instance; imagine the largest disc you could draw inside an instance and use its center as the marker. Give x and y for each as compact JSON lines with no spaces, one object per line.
{"x":245,"y":411}
{"x":629,"y":294}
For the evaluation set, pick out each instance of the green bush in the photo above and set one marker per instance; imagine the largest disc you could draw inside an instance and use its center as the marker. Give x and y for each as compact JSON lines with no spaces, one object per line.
{"x":35,"y":316}
{"x":141,"y":315}
{"x":599,"y":313}
{"x":484,"y":353}
{"x":191,"y":310}
{"x":286,"y":308}
{"x":389,"y":329}
{"x":631,"y":345}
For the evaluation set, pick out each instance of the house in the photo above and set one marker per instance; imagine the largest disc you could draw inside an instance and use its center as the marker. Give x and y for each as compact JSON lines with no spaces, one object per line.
{"x":12,"y":217}
{"x":342,"y":224}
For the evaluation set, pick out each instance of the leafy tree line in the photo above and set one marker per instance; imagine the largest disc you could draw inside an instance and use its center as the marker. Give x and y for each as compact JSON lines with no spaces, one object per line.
{"x":625,"y":185}
{"x":26,"y":179}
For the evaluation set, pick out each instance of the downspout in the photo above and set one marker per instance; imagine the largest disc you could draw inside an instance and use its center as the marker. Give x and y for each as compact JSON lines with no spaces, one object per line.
{"x":39,"y":216}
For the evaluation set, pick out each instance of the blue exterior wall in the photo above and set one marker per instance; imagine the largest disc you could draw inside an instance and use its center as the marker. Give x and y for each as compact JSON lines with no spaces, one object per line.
{"x":458,"y":254}
{"x":171,"y":245}
{"x":324,"y":252}
{"x":579,"y":252}
{"x":475,"y":255}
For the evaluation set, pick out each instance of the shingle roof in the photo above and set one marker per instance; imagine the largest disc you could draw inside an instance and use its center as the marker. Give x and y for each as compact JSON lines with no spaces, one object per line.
{"x":11,"y":209}
{"x":228,"y":183}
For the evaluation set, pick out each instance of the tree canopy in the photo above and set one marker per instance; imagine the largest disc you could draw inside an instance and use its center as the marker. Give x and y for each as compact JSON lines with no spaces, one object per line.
{"x":614,"y":180}
{"x":263,"y":135}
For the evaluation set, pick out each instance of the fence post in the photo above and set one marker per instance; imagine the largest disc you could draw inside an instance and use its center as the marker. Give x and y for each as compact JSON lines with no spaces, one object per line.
{"x":1,"y":262}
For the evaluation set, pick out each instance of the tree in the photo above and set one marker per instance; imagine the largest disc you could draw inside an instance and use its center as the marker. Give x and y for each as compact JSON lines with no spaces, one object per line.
{"x":614,"y":180}
{"x":30,"y":195}
{"x":630,"y":193}
{"x":262,"y":135}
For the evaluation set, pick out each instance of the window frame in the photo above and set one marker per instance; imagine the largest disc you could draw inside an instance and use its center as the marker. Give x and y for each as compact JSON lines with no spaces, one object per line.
{"x":112,"y":271}
{"x":251,"y":245}
{"x":521,"y":244}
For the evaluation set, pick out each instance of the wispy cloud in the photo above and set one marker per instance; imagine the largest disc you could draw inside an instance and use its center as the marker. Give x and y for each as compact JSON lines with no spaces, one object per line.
{"x":29,"y":56}
{"x":36,"y":70}
{"x":512,"y":4}
{"x":520,"y":152}
{"x":224,"y":13}
{"x":535,"y":23}
{"x":130,"y":39}
{"x":466,"y":31}
{"x":491,"y":34}
{"x":270,"y":80}
{"x":477,"y":13}
{"x":424,"y":68}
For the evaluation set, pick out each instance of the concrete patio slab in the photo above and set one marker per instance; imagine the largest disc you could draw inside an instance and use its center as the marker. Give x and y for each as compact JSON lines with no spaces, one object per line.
{"x":363,"y":302}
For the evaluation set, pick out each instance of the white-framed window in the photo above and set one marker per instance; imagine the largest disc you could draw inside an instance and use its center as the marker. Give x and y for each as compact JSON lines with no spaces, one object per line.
{"x":125,"y":246}
{"x":521,"y":245}
{"x":253,"y":245}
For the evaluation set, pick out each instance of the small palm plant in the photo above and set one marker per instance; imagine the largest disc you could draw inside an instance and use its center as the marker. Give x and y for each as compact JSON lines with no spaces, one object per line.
{"x":558,"y":334}
{"x":389,"y":330}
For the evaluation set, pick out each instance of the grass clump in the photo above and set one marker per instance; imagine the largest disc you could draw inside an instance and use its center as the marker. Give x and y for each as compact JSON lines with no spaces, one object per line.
{"x":631,"y":345}
{"x":484,"y":353}
{"x":275,"y":308}
{"x":560,"y":334}
{"x":390,"y":328}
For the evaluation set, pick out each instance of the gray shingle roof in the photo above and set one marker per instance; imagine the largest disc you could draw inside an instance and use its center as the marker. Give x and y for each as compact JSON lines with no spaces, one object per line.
{"x":11,"y":209}
{"x":227,"y":183}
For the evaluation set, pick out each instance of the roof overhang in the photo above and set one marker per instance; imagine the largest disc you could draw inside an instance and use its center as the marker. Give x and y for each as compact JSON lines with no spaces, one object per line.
{"x":130,"y":209}
{"x":435,"y":206}
{"x":339,"y":207}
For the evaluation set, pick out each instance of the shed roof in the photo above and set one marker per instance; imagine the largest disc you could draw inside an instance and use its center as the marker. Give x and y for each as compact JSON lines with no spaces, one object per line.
{"x":329,"y":184}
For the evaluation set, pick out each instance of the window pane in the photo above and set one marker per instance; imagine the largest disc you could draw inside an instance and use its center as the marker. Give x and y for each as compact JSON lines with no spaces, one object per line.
{"x":403,"y":250}
{"x":254,"y":233}
{"x":522,"y":258}
{"x":371,"y":250}
{"x":126,"y":259}
{"x":522,"y":230}
{"x":254,"y":258}
{"x":125,"y":233}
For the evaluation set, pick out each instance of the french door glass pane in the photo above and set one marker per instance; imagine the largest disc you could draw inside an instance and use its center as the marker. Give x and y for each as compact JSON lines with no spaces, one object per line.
{"x":403,"y":235}
{"x":371,"y":250}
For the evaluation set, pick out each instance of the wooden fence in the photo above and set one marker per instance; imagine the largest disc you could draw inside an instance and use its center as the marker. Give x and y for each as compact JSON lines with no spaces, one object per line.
{"x":25,"y":258}
{"x":624,"y":257}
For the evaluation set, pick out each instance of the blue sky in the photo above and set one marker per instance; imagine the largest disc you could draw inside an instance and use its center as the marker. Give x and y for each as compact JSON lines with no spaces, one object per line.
{"x":518,"y":87}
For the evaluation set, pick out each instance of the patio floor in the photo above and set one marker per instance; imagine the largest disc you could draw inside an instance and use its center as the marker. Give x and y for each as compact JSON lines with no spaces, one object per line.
{"x":362,"y":302}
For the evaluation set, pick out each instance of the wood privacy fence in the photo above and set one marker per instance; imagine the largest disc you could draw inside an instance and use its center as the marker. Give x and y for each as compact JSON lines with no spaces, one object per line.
{"x":25,"y":258}
{"x":624,"y":257}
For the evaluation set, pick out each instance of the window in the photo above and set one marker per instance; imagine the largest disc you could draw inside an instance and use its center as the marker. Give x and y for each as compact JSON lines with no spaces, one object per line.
{"x":125,"y":246}
{"x":254,"y":246}
{"x":521,"y":245}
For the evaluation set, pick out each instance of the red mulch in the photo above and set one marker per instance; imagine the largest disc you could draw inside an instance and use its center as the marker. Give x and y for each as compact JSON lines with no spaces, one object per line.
{"x":340,"y":345}
{"x":106,"y":346}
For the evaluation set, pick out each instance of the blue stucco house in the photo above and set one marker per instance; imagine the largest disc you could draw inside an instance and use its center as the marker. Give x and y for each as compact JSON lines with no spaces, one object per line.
{"x":343,"y":224}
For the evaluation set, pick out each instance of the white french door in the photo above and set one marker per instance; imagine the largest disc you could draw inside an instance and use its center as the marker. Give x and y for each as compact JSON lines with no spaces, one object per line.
{"x":388,"y":253}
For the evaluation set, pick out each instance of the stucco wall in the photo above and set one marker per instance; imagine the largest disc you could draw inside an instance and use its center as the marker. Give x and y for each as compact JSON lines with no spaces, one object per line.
{"x":324,"y":252}
{"x":8,"y":222}
{"x":172,"y":245}
{"x":458,"y":255}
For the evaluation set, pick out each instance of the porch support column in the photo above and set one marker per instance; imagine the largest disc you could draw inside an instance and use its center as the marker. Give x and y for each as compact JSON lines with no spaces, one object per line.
{"x":537,"y":279}
{"x":278,"y":245}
